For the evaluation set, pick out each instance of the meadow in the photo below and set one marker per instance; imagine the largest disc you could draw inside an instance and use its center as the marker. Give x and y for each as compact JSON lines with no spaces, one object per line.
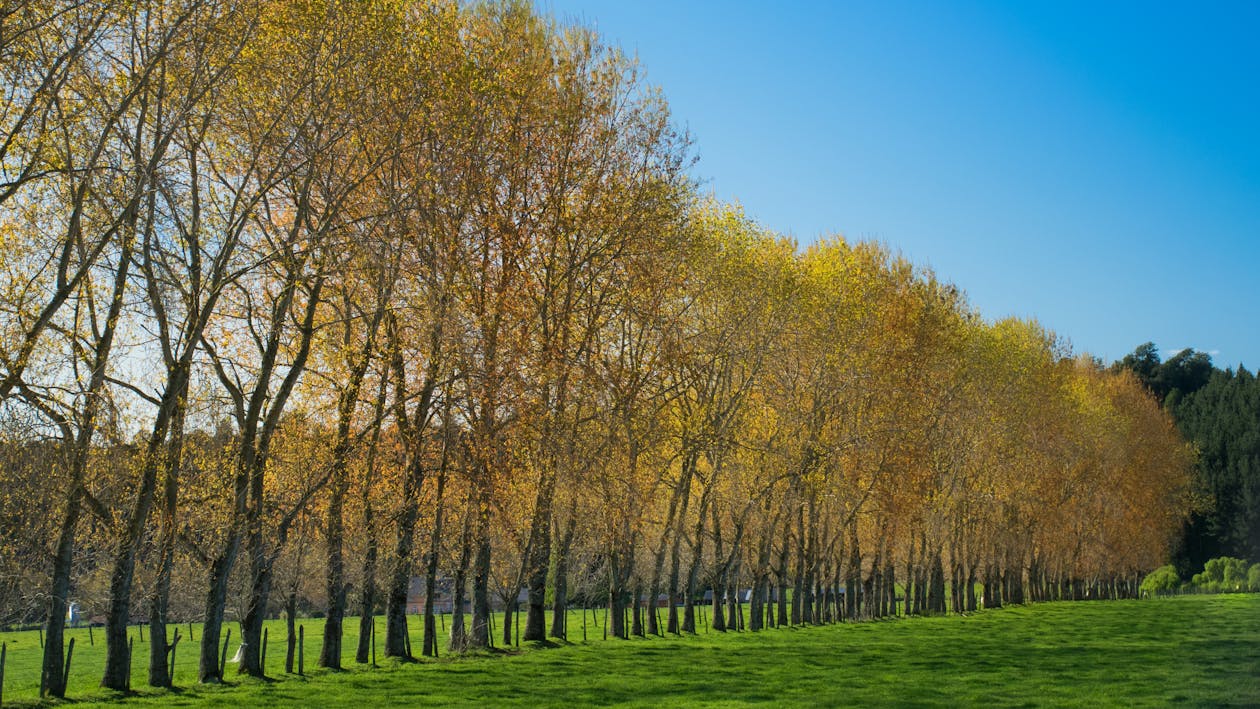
{"x":1189,"y":650}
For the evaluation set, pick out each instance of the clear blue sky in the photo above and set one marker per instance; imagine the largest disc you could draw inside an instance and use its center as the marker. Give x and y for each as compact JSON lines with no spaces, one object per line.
{"x":1093,"y":165}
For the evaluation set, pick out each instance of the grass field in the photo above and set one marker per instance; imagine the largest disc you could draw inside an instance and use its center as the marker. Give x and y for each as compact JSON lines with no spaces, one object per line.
{"x":1190,"y":650}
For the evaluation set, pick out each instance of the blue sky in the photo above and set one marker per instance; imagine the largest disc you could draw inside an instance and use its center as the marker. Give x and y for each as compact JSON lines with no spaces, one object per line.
{"x":1093,"y":165}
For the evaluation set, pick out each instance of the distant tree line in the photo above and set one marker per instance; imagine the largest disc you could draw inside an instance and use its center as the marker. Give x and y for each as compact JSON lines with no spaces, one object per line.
{"x":303,"y":299}
{"x":1218,"y":410}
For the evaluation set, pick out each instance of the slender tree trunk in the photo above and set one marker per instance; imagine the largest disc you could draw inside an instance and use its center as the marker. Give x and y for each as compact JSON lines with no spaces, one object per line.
{"x":479,"y":635}
{"x":290,"y":623}
{"x":782,"y":572}
{"x":459,"y":634}
{"x":509,"y":609}
{"x":400,"y":574}
{"x":637,"y":616}
{"x":256,"y":608}
{"x":560,"y":607}
{"x":334,"y":580}
{"x":697,"y":555}
{"x":539,"y":557}
{"x":159,"y":669}
{"x":53,"y":680}
{"x":216,"y":599}
{"x":675,"y":560}
{"x":429,"y":643}
{"x":798,"y":581}
{"x":853,"y":581}
{"x":936,"y":584}
{"x":718,"y":620}
{"x":367,"y":595}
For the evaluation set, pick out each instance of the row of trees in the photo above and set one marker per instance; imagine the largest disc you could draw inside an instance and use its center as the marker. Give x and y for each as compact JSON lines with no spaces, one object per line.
{"x":351,"y":291}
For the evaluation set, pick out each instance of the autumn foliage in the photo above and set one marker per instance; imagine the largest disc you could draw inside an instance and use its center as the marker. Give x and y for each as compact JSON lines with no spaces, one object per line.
{"x":304,"y":299}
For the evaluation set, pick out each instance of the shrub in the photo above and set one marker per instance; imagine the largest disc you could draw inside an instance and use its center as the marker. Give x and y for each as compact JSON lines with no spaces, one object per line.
{"x":1161,"y":581}
{"x":1226,"y":575}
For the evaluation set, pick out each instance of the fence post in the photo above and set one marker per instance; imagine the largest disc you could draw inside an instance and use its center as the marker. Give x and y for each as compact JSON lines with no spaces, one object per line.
{"x":170,"y":672}
{"x":223,"y":657}
{"x":262,"y":657}
{"x":65,"y":675}
{"x":91,"y":636}
{"x":301,"y":647}
{"x":374,"y":641}
{"x":4,"y":650}
{"x":130,"y":646}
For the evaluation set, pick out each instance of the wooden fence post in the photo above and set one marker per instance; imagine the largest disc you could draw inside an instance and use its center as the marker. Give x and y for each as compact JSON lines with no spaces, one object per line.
{"x":4,"y":650}
{"x":170,"y":673}
{"x":301,"y":647}
{"x":130,"y":646}
{"x":262,"y":657}
{"x":223,"y":657}
{"x":91,"y":636}
{"x":65,"y":675}
{"x":374,"y":641}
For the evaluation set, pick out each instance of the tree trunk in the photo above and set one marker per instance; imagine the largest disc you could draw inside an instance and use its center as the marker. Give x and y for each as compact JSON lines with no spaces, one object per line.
{"x":658,"y":567}
{"x":400,"y":574}
{"x":53,"y":676}
{"x":479,"y":635}
{"x":459,"y":634}
{"x":334,"y":580}
{"x":853,"y":579}
{"x":718,"y":621}
{"x":216,"y":599}
{"x":290,"y":622}
{"x":539,"y":558}
{"x":693,"y":569}
{"x":798,"y":581}
{"x":367,"y":597}
{"x":969,"y":590}
{"x":256,"y":608}
{"x":936,"y":584}
{"x":429,"y":643}
{"x":675,"y":560}
{"x":637,"y":615}
{"x":159,"y":668}
{"x":560,"y":607}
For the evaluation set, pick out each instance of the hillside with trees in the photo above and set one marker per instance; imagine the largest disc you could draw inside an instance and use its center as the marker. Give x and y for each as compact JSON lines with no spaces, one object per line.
{"x":1219,"y":412}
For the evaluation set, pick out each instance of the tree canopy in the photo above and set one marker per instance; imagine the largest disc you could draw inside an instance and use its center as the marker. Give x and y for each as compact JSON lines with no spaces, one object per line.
{"x":304,"y":300}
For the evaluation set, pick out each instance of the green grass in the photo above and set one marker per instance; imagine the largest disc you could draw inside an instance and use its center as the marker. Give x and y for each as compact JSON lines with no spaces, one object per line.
{"x":1189,"y":650}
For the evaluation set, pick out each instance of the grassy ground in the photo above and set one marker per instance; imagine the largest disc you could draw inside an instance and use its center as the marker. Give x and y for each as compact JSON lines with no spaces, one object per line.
{"x":1191,"y":650}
